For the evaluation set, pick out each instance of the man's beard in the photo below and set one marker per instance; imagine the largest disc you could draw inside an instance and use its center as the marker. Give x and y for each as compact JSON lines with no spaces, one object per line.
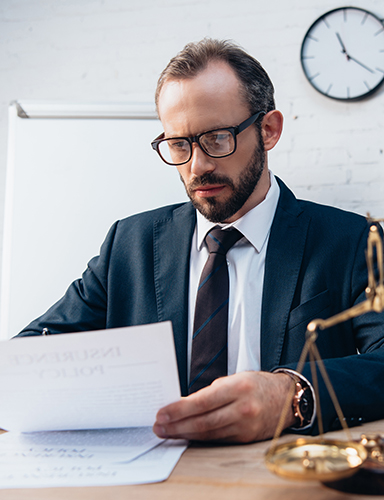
{"x":217,"y":211}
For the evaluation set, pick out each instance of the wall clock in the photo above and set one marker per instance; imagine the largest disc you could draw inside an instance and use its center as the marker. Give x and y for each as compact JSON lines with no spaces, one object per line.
{"x":342,"y":54}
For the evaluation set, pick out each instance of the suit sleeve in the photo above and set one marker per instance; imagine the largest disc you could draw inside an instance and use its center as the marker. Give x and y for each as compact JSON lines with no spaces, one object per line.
{"x":84,"y":305}
{"x":357,"y":379}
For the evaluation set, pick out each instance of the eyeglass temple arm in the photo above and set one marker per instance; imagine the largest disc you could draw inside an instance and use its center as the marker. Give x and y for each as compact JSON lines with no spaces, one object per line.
{"x":248,"y":122}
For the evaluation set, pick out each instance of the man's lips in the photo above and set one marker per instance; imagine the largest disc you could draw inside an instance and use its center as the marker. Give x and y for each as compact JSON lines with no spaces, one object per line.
{"x":209,"y":190}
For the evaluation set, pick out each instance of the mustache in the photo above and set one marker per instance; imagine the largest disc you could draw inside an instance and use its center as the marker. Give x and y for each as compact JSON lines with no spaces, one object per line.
{"x":211,"y":179}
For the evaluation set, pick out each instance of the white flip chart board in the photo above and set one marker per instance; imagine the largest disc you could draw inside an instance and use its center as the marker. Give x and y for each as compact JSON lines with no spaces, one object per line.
{"x":73,"y":169}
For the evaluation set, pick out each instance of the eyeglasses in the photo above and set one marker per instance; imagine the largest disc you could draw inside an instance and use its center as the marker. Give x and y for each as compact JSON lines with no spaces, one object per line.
{"x":217,"y":143}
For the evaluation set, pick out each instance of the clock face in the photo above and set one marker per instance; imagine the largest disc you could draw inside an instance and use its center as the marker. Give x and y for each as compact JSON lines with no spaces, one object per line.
{"x":342,"y":54}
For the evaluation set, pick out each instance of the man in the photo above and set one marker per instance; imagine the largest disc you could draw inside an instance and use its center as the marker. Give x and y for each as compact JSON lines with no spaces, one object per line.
{"x":294,"y":261}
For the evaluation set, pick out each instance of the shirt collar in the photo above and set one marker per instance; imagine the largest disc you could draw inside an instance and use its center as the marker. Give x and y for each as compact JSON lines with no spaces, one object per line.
{"x":254,"y":225}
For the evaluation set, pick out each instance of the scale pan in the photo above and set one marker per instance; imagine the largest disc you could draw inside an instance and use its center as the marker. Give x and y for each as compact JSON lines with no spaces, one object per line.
{"x":316,"y":459}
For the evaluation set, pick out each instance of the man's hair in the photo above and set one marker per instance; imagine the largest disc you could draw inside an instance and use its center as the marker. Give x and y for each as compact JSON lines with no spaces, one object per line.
{"x":256,"y":87}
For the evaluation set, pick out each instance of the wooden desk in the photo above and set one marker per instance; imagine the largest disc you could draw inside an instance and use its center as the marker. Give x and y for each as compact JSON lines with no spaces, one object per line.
{"x":210,"y":473}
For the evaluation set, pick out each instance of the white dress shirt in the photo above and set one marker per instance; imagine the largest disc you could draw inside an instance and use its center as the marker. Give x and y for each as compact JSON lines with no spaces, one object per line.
{"x":246,"y":263}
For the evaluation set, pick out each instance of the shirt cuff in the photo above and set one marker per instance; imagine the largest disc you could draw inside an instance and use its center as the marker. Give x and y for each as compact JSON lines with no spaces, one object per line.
{"x":301,"y":377}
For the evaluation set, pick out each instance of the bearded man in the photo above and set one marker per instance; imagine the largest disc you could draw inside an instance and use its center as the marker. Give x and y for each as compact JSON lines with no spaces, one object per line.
{"x":240,"y":270}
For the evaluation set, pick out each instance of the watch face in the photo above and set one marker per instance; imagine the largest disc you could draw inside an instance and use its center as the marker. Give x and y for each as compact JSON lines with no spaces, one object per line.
{"x":342,"y":54}
{"x":306,"y":405}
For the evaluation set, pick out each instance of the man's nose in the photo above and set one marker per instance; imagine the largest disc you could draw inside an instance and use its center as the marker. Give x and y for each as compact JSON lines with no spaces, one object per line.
{"x":200,"y":162}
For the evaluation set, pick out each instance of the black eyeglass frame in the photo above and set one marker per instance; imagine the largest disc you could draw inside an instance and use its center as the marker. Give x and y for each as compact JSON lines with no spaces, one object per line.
{"x":233,"y":130}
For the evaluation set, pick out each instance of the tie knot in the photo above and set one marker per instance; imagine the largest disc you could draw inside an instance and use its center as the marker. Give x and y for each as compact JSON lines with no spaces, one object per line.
{"x":220,"y":241}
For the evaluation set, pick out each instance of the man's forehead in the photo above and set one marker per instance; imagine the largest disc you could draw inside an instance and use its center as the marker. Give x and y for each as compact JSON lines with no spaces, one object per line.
{"x":215,"y":74}
{"x":216,"y":83}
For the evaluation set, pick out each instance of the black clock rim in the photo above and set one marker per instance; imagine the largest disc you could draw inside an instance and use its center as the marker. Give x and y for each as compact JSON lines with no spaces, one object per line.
{"x":348,"y":99}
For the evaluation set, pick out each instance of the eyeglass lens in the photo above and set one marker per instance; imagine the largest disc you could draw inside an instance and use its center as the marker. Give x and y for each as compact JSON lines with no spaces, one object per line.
{"x":217,"y":144}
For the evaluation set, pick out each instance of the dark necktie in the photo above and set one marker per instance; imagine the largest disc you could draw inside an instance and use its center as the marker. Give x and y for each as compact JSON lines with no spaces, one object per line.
{"x":210,"y":338}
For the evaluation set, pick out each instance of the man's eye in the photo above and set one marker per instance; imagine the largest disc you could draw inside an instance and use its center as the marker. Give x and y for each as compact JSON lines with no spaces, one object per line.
{"x":216,"y":137}
{"x":221,"y":137}
{"x":217,"y":142}
{"x":177,"y":145}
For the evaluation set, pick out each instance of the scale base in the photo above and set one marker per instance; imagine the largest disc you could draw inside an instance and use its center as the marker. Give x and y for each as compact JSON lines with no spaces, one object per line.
{"x":324,"y":460}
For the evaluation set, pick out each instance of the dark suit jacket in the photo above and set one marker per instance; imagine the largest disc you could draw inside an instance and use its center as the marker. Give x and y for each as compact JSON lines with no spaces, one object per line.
{"x":315,"y":267}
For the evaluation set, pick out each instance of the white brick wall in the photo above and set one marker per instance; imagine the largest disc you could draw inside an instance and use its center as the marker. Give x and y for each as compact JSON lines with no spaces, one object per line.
{"x":113,"y":50}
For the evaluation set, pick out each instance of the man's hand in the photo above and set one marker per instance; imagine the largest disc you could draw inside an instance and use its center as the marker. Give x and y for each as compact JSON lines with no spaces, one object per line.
{"x":239,"y":408}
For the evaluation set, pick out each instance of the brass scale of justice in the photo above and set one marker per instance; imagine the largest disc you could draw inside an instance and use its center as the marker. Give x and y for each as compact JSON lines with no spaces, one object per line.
{"x":319,"y":458}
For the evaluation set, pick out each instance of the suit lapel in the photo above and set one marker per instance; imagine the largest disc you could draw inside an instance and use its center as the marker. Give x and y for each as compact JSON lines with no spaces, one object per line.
{"x":172,"y":247}
{"x":282,"y":266}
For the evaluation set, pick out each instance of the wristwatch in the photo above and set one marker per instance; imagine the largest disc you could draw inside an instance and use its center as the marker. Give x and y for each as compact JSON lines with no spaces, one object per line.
{"x":302,"y":404}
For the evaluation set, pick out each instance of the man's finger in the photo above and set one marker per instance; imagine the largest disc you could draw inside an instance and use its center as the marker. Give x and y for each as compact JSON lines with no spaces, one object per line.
{"x":198,"y":424}
{"x":206,"y":400}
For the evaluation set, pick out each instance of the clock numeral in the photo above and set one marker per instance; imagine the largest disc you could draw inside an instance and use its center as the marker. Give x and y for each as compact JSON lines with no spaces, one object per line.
{"x":329,"y":89}
{"x":345,"y":15}
{"x":378,"y":32}
{"x":312,"y":38}
{"x":379,"y":69}
{"x":308,"y":57}
{"x":366,"y":84}
{"x":348,"y":94}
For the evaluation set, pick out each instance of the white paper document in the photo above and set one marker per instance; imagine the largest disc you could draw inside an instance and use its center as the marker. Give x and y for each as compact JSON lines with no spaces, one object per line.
{"x":83,"y":446}
{"x":154,"y":466}
{"x":93,"y":380}
{"x":97,"y":393}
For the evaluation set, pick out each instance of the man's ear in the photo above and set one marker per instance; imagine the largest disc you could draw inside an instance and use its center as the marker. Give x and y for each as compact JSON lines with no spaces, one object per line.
{"x":271,"y":128}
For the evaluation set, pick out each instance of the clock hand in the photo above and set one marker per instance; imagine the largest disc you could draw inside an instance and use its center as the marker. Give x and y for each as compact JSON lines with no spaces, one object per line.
{"x":350,"y":57}
{"x":342,"y":45}
{"x":361,"y":64}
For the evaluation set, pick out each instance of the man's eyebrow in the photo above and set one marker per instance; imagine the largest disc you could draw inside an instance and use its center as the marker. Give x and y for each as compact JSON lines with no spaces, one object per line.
{"x":213,"y":129}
